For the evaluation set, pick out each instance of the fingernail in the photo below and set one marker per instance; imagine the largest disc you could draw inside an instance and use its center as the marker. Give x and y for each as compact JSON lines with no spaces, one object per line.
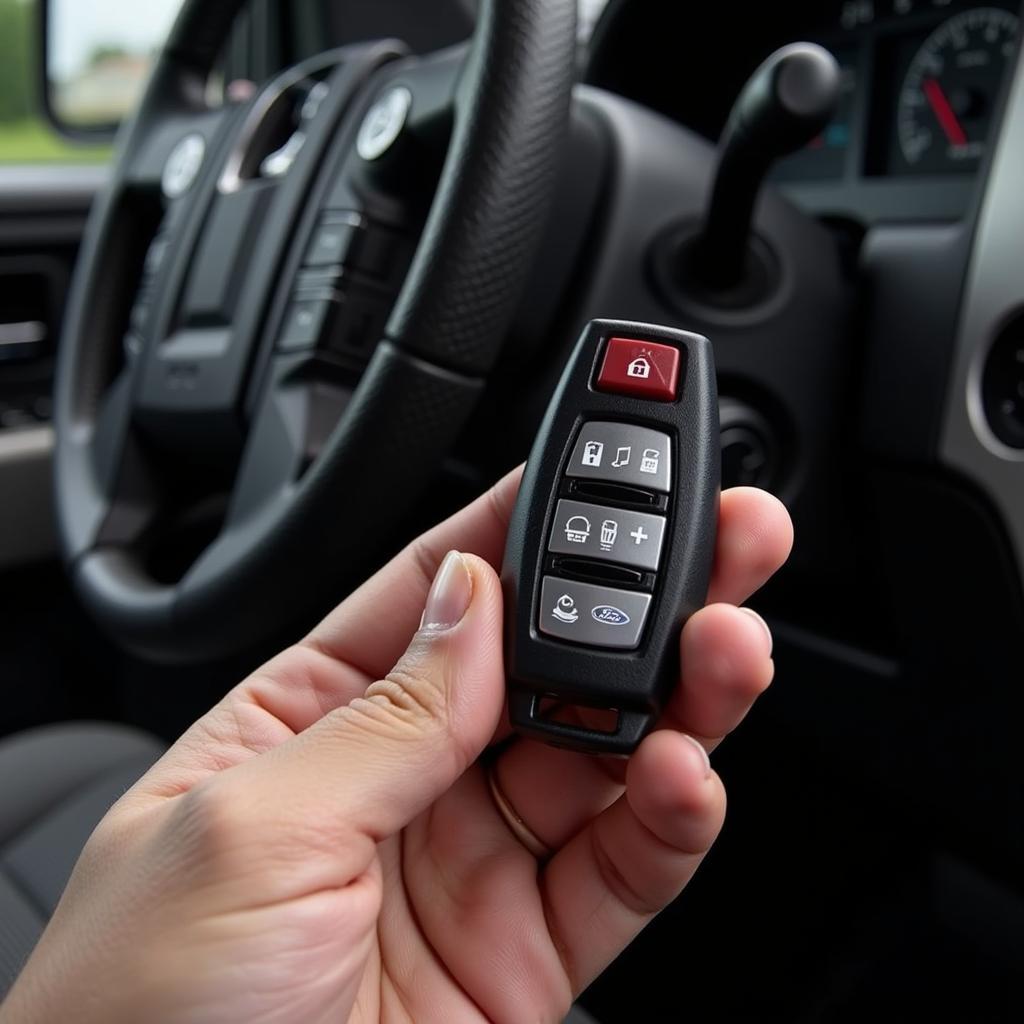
{"x":450,"y":594}
{"x":703,"y":754}
{"x":764,"y":625}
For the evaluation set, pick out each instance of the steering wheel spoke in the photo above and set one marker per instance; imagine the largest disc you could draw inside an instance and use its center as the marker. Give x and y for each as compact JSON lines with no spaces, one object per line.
{"x":117,"y":490}
{"x":330,"y":264}
{"x":297,"y":415}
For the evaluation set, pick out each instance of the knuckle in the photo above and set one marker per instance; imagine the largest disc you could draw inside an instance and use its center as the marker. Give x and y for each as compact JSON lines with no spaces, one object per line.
{"x":411,"y":706}
{"x":210,"y":823}
{"x":631,"y":896}
{"x":408,"y":698}
{"x":111,"y":837}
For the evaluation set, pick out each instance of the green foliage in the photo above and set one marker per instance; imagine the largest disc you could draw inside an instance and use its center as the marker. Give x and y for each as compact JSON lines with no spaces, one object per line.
{"x":24,"y":136}
{"x":33,"y":142}
{"x":16,"y":42}
{"x":105,"y":53}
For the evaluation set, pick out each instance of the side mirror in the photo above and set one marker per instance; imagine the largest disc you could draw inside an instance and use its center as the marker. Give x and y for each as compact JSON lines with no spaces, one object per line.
{"x":96,"y":60}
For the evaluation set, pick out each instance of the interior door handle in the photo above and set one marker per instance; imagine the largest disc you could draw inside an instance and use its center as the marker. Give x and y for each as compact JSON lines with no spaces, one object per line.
{"x":21,"y":340}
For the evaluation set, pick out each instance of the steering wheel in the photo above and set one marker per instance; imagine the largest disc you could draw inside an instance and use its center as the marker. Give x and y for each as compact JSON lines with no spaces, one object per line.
{"x":284,"y":311}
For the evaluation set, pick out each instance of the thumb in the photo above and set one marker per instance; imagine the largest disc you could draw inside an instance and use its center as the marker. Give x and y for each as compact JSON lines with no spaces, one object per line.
{"x":365,"y":770}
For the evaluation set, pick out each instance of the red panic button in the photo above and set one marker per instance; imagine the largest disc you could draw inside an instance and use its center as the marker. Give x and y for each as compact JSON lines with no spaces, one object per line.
{"x":641,"y":369}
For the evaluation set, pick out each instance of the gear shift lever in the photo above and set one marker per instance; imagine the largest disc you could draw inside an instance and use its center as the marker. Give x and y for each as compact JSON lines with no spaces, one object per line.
{"x":786,"y":103}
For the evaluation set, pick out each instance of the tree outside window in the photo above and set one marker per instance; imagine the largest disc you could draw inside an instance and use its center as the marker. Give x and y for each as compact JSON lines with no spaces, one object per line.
{"x":25,"y":137}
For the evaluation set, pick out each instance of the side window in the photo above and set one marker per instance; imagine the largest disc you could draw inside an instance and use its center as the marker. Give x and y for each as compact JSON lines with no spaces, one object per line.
{"x":25,"y":137}
{"x":99,"y":55}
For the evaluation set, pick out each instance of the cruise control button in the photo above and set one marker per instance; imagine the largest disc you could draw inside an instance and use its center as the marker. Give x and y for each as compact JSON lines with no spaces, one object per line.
{"x":156,"y":254}
{"x":335,"y":239}
{"x":623,"y":454}
{"x":304,"y":324}
{"x":592,"y":616}
{"x":607,"y":534}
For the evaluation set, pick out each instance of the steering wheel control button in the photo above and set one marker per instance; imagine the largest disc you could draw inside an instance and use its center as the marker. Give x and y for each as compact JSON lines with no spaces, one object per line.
{"x":304,"y":324}
{"x":155,"y":255}
{"x":138,"y":317}
{"x":641,"y":369}
{"x":384,"y":123}
{"x":182,"y":167}
{"x":593,"y":616}
{"x":622,"y":453}
{"x":335,"y":241}
{"x":607,"y":534}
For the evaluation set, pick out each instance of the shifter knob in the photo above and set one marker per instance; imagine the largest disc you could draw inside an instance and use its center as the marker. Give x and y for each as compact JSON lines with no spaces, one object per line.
{"x":785,"y":104}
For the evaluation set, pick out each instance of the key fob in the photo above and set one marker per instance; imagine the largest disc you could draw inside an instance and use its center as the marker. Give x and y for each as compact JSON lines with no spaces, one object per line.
{"x":610,"y":545}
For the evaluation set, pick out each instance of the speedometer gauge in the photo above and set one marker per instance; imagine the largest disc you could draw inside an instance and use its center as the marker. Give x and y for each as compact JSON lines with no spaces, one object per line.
{"x":949,"y":93}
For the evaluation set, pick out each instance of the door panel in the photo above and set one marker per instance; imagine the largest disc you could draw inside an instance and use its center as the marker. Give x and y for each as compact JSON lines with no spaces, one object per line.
{"x":42,"y":215}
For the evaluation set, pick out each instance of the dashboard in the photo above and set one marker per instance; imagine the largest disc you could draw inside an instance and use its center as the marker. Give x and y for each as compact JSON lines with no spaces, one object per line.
{"x":923,"y":82}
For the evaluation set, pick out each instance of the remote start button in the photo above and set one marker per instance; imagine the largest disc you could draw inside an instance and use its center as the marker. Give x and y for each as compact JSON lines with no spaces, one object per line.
{"x":592,"y":616}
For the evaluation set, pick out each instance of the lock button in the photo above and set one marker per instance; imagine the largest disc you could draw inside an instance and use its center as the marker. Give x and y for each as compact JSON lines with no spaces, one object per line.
{"x":642,"y":369}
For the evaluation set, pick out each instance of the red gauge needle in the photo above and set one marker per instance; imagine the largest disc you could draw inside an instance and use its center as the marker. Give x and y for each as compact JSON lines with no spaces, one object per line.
{"x":944,"y":112}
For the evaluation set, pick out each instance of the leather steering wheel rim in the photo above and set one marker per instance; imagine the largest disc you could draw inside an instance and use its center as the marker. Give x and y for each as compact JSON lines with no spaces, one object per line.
{"x":316,"y":539}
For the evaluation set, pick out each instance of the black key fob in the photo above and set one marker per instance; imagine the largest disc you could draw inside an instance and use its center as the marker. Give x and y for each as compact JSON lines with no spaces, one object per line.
{"x":610,"y":546}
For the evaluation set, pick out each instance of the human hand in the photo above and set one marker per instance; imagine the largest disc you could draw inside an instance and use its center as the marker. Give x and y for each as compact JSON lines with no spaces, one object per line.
{"x":324,"y":844}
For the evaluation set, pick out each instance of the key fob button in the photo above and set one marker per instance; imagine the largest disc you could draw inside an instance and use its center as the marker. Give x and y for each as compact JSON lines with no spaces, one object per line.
{"x":624,"y":454}
{"x":591,"y":615}
{"x":640,"y":368}
{"x":607,"y":534}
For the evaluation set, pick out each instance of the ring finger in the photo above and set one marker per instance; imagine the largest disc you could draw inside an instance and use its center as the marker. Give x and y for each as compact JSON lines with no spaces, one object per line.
{"x":556,"y":792}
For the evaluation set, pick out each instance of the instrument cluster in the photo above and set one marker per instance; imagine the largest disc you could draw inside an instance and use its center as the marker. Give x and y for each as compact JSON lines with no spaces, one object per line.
{"x":922,"y":83}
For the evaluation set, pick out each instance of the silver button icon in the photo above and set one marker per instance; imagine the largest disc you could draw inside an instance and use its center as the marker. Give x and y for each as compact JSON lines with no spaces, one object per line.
{"x":577,"y":530}
{"x":182,"y":167}
{"x":384,"y":123}
{"x":565,"y":609}
{"x":592,"y":453}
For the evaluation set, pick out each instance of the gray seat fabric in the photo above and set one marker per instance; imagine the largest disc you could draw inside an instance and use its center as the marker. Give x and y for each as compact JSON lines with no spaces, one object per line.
{"x":55,"y":785}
